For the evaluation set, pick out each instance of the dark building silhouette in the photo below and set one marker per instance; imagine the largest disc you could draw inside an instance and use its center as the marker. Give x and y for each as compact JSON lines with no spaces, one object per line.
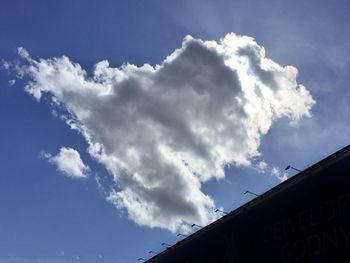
{"x":304,"y":219}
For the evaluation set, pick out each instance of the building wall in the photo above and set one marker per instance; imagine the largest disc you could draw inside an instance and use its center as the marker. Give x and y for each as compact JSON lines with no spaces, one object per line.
{"x":305,"y":219}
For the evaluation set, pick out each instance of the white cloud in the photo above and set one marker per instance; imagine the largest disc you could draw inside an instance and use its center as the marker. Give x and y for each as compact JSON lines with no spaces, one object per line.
{"x":164,"y":130}
{"x":69,"y":163}
{"x":280,"y":175}
{"x":261,"y":166}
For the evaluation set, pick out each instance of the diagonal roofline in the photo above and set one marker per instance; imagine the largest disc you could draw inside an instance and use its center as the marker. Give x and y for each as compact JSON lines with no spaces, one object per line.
{"x":261,"y":198}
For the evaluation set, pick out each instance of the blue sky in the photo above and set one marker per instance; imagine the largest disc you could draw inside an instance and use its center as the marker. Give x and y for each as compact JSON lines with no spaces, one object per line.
{"x":47,"y":216}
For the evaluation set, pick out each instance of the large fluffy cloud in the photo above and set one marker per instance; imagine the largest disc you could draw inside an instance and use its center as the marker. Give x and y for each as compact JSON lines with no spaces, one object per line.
{"x":163,"y":130}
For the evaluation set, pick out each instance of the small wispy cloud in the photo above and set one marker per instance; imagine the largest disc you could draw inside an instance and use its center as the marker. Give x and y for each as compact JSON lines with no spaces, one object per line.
{"x":274,"y":171}
{"x":261,"y":166}
{"x":277,"y":173}
{"x":68,"y":162}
